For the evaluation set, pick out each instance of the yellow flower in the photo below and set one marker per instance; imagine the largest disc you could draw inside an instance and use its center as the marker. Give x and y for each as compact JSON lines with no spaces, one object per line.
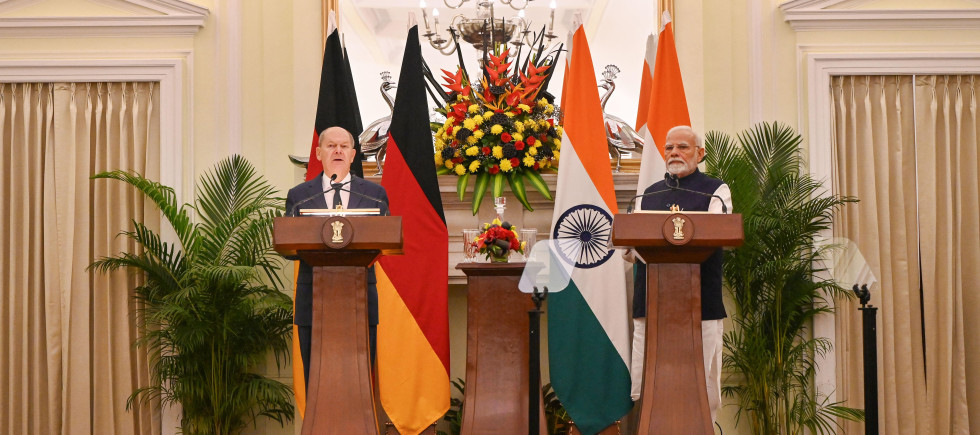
{"x":533,"y":151}
{"x":519,"y":126}
{"x":477,"y":119}
{"x":471,"y":140}
{"x":557,"y":155}
{"x":524,"y":107}
{"x":440,"y":144}
{"x":498,"y":152}
{"x":557,"y":143}
{"x":530,"y":125}
{"x":469,"y":124}
{"x":505,"y":165}
{"x":543,"y":102}
{"x":528,"y":161}
{"x":495,"y":221}
{"x":496,"y":129}
{"x":517,"y":136}
{"x":472,"y":151}
{"x":509,"y":114}
{"x":474,"y":165}
{"x":473,"y":108}
{"x":460,"y":169}
{"x":456,"y":129}
{"x":543,"y":124}
{"x":487,"y":115}
{"x":549,"y":109}
{"x":448,"y":164}
{"x":478,"y":134}
{"x":440,"y":131}
{"x":438,"y":157}
{"x":560,"y":130}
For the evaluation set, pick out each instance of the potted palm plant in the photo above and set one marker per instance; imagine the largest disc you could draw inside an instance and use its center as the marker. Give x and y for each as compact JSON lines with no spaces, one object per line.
{"x":774,"y":282}
{"x":209,"y":307}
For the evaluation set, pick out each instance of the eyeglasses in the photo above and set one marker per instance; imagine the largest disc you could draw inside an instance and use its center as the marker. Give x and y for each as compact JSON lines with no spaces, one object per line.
{"x":681,"y":148}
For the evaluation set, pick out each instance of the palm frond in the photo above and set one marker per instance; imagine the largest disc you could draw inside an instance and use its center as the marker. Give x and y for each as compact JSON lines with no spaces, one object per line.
{"x":771,"y":354}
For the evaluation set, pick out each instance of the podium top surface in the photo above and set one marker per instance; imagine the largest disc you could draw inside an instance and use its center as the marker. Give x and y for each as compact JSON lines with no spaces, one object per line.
{"x":698,"y":230}
{"x":316,"y":233}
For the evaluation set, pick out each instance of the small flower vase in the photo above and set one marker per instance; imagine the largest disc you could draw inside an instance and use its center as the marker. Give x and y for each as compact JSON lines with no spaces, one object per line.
{"x":498,"y":254}
{"x":499,"y":258}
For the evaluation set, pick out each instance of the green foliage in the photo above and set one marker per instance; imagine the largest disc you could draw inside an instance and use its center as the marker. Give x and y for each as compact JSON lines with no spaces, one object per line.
{"x":558,"y":420}
{"x":210,"y":308}
{"x":774,"y":284}
{"x":454,"y":416}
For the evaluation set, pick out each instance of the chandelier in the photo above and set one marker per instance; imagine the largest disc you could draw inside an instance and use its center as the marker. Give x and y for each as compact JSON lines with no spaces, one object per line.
{"x":486,"y":29}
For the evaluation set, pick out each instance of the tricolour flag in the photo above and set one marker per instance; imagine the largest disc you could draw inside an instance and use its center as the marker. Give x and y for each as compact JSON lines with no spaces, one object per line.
{"x":588,"y":336}
{"x":413,"y":307}
{"x":663,"y":104}
{"x":336,"y":106}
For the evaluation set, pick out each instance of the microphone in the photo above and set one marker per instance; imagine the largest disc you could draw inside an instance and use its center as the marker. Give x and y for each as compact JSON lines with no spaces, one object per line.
{"x":629,"y":208}
{"x":677,"y":186}
{"x":292,"y":211}
{"x":667,"y":176}
{"x":376,"y":200}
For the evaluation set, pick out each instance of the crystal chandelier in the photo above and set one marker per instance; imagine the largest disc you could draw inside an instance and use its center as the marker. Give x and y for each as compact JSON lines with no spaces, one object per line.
{"x":486,"y":29}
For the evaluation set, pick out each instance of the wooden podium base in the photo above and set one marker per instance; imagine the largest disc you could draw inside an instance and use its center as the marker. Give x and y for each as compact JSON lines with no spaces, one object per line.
{"x":675,"y":400}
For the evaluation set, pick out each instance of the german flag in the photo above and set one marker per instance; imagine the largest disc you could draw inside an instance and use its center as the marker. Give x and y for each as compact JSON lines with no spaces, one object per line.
{"x":413,"y":310}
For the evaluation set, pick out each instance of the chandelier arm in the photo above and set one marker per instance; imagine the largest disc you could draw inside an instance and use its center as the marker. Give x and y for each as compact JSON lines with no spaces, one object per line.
{"x":511,"y":4}
{"x":458,"y":5}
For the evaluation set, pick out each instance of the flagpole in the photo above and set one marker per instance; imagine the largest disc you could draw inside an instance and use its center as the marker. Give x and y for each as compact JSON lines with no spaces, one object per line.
{"x":664,"y":6}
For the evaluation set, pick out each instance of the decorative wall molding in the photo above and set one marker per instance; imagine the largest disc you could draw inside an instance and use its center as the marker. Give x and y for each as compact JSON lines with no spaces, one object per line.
{"x":168,"y":71}
{"x":146,"y":18}
{"x":804,"y":15}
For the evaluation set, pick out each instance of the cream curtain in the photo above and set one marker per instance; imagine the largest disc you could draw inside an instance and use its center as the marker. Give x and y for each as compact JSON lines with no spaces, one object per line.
{"x":907,"y":149}
{"x":67,"y":366}
{"x":874,"y":145}
{"x":947,"y":125}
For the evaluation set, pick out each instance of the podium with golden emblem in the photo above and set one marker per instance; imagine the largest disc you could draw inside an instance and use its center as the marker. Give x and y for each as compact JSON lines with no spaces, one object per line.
{"x":673,"y":245}
{"x":339,"y":247}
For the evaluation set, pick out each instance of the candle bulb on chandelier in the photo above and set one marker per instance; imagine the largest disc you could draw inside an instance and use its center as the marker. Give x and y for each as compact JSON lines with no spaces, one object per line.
{"x":425,"y":18}
{"x":553,"y":6}
{"x":435,"y":18}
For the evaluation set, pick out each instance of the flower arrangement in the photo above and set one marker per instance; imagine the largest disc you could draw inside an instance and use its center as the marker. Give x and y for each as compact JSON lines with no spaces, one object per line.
{"x":504,"y":130}
{"x":497,"y":240}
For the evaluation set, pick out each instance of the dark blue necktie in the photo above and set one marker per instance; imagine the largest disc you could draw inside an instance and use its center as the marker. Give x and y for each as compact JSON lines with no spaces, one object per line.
{"x":336,"y":194}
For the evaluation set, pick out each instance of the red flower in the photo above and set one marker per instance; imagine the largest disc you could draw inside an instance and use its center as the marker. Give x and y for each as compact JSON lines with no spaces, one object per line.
{"x":457,"y":160}
{"x":514,"y":162}
{"x":531,"y":140}
{"x":505,"y":136}
{"x":536,"y":166}
{"x":486,"y":151}
{"x":551,"y":121}
{"x":514,"y":244}
{"x":494,"y":169}
{"x":519,"y":145}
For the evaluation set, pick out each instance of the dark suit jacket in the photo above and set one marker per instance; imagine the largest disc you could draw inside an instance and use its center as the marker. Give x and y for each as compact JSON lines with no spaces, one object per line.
{"x":304,"y":280}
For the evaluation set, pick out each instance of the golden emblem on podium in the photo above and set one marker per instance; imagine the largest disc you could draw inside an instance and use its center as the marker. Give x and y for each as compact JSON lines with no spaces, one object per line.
{"x":337,"y":226}
{"x":678,"y":228}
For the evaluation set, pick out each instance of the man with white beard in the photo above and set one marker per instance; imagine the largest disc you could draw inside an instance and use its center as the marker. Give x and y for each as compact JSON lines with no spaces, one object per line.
{"x":683,"y":151}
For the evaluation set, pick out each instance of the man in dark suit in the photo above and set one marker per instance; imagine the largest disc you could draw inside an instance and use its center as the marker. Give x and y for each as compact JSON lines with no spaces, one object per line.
{"x":336,"y":151}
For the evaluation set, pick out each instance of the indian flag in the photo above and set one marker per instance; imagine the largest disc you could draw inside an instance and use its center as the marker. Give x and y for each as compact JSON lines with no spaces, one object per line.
{"x":588,"y":336}
{"x":662,"y":105}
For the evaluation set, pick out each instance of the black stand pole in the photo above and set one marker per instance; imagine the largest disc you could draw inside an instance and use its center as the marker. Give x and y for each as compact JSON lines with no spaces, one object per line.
{"x":534,"y":359}
{"x":869,"y":314}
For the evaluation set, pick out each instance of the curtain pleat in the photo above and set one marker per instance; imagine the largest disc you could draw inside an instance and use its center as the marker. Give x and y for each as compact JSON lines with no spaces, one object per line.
{"x":946,"y":132}
{"x":67,"y":365}
{"x":874,"y":153}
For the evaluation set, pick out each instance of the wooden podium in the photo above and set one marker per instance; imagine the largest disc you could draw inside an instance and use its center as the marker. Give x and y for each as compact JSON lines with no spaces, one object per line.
{"x":674,"y":398}
{"x":340,"y":397}
{"x":497,"y":392}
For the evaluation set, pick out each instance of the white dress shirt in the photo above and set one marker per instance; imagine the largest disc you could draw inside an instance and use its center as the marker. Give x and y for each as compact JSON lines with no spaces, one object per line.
{"x":344,"y":192}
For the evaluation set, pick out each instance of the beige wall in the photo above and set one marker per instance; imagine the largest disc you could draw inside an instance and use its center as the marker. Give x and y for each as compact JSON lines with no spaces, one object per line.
{"x":252,"y":72}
